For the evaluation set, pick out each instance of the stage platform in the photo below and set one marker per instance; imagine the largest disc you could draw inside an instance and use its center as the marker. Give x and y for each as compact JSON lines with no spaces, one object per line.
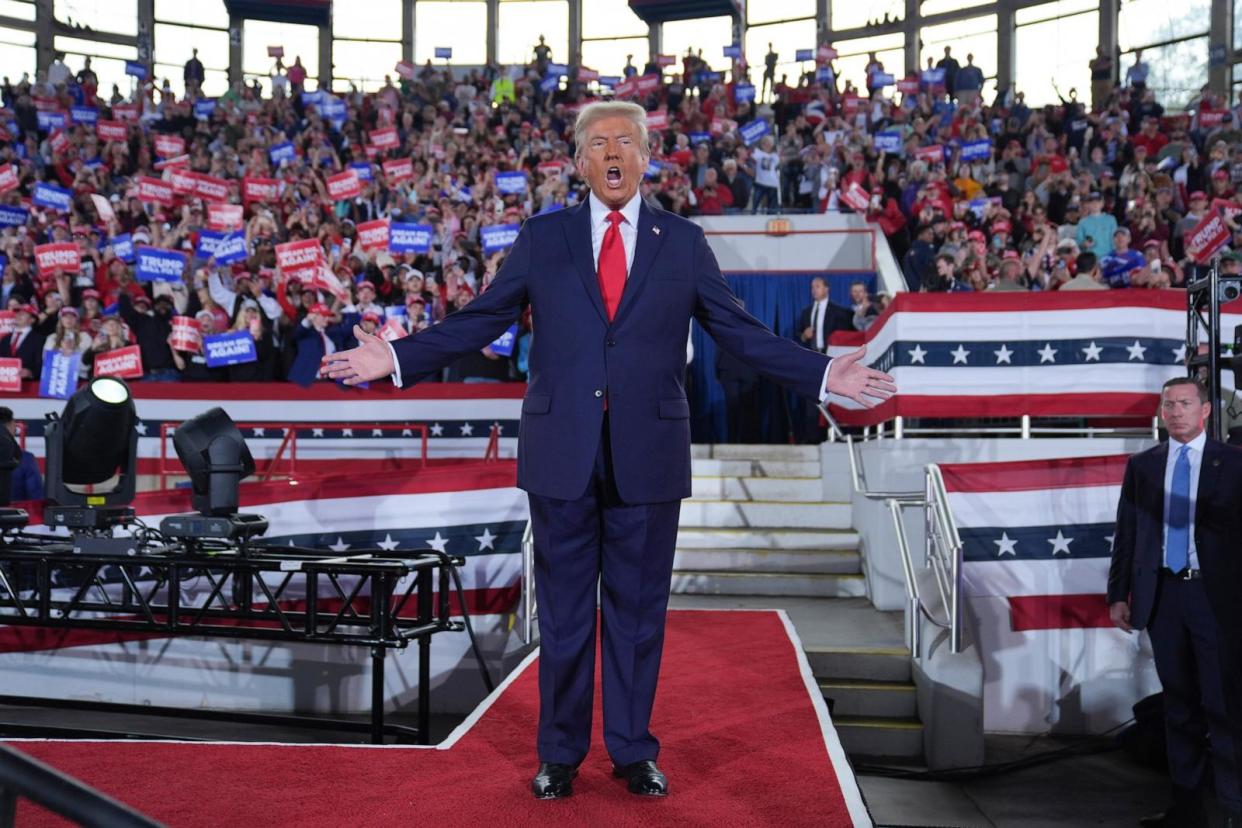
{"x":747,"y":740}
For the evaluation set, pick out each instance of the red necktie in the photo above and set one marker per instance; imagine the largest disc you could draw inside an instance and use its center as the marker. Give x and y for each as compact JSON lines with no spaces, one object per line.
{"x":612,"y":264}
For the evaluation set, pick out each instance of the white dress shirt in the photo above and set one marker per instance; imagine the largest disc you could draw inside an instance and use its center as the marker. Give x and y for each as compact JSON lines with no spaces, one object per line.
{"x":1195,"y":456}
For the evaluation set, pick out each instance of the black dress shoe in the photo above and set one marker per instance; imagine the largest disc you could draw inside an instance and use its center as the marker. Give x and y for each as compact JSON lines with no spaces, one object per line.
{"x":643,"y":778}
{"x":554,"y":781}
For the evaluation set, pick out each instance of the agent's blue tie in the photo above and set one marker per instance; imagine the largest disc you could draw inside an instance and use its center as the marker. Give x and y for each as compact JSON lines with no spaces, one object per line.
{"x":1177,"y":555}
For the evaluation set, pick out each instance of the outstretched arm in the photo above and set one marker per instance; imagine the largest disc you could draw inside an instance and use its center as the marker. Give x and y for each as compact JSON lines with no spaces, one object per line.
{"x":416,"y":357}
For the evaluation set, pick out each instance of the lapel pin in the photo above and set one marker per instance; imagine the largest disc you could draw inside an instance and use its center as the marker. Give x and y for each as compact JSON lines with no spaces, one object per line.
{"x":655,"y":230}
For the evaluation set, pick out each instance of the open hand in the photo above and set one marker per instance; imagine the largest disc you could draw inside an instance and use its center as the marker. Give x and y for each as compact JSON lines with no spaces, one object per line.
{"x":863,"y":385}
{"x":371,"y":360}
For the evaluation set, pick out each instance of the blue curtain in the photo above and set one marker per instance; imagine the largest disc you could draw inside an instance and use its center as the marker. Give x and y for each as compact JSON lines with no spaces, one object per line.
{"x":775,"y":300}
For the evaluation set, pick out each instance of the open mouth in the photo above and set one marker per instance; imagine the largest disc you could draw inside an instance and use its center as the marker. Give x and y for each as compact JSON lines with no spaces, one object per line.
{"x":612,"y":176}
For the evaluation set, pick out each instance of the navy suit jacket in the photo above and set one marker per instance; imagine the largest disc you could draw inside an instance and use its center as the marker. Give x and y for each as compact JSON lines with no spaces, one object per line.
{"x":310,"y":352}
{"x":637,"y":362}
{"x":1138,"y":546}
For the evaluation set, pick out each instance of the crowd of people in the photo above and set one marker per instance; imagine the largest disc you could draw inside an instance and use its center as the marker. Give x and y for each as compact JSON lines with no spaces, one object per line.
{"x":970,"y":195}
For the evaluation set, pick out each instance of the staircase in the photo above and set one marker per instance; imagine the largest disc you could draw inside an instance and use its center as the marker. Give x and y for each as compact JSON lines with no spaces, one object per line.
{"x":758,"y":531}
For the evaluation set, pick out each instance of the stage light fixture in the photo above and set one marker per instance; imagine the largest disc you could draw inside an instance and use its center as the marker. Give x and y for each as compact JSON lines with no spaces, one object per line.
{"x":92,"y":451}
{"x":216,"y":458}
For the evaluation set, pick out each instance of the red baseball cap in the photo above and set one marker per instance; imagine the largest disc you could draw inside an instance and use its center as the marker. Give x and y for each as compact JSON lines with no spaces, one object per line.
{"x":372,"y":316}
{"x":1198,"y":195}
{"x":1058,"y":164}
{"x":1001,"y":227}
{"x":320,"y":308}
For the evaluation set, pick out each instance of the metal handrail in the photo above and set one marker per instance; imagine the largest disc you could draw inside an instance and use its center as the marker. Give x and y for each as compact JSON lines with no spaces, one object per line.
{"x":26,"y":777}
{"x":530,"y":606}
{"x":944,"y":552}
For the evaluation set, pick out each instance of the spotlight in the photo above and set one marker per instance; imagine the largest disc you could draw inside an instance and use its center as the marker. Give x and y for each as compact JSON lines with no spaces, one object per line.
{"x":216,"y":457}
{"x":92,"y":451}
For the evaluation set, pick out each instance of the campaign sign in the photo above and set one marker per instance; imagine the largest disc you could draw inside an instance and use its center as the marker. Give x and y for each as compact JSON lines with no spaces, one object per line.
{"x":445,"y":52}
{"x":299,"y":259}
{"x":122,"y":362}
{"x":409,"y":238}
{"x":52,"y":197}
{"x":657,"y":120}
{"x":856,"y":197}
{"x":549,"y":83}
{"x":879,"y":80}
{"x":373,"y":235}
{"x":647,"y":83}
{"x":111,"y":131}
{"x":977,"y":150}
{"x":314,"y":98}
{"x":13,"y":216}
{"x":933,"y":77}
{"x":930,"y":155}
{"x":511,"y":183}
{"x":908,"y":87}
{"x":185,"y":334}
{"x":8,"y":178}
{"x":626,"y":88}
{"x":7,"y":322}
{"x":404,"y":70}
{"x":498,"y":236}
{"x":344,"y":186}
{"x":275,"y":51}
{"x":125,"y":112}
{"x":138,"y":70}
{"x":392,"y":329}
{"x":733,"y":50}
{"x":826,"y":53}
{"x":225,"y":247}
{"x":50,"y":120}
{"x":155,"y":191}
{"x":10,"y":375}
{"x":210,"y":188}
{"x":282,"y":152}
{"x":60,"y":375}
{"x":260,"y":189}
{"x":229,"y":349}
{"x":1207,"y":237}
{"x":611,"y":81}
{"x":398,"y":170}
{"x":385,"y":139}
{"x":753,"y":131}
{"x":205,"y":108}
{"x":363,"y":170}
{"x":87,"y":115}
{"x":158,"y":265}
{"x":503,"y":345}
{"x":665,"y":60}
{"x":558,"y":69}
{"x":804,"y":54}
{"x":744,"y":92}
{"x":224,"y":217}
{"x":888,"y":141}
{"x":585,"y":74}
{"x":123,"y":247}
{"x":62,"y":256}
{"x":824,"y":76}
{"x":167,"y":146}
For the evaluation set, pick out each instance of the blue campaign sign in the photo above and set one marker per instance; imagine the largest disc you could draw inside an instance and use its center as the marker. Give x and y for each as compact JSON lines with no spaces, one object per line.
{"x":503,"y":346}
{"x":751,"y":132}
{"x":700,"y":138}
{"x":205,"y":108}
{"x":49,"y":121}
{"x":229,"y":349}
{"x":511,"y":183}
{"x":977,"y":150}
{"x":88,"y":115}
{"x":653,"y":168}
{"x":609,"y":80}
{"x":313,"y":98}
{"x":363,"y":169}
{"x":225,"y":247}
{"x":138,"y":70}
{"x":733,"y":50}
{"x":52,"y":197}
{"x":409,"y":238}
{"x":710,"y":77}
{"x":888,"y":141}
{"x":558,"y":69}
{"x":445,"y":52}
{"x":881,"y":79}
{"x":549,"y":83}
{"x":60,"y":375}
{"x":282,"y":152}
{"x":157,"y":265}
{"x":744,"y":92}
{"x":123,"y":247}
{"x":978,"y":206}
{"x":13,"y":216}
{"x":933,"y":77}
{"x":804,"y":54}
{"x":498,"y":236}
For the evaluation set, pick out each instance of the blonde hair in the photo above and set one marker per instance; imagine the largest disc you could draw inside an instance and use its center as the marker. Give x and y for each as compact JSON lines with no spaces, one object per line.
{"x":609,"y":109}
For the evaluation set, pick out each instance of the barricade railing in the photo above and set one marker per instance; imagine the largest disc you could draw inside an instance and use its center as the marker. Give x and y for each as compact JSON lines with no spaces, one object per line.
{"x":1021,"y":426}
{"x":24,"y":777}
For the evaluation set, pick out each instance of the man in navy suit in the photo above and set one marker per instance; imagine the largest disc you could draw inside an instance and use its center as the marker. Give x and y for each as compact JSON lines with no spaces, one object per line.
{"x":1176,"y":570}
{"x":604,"y":442}
{"x":24,"y":342}
{"x":314,"y":338}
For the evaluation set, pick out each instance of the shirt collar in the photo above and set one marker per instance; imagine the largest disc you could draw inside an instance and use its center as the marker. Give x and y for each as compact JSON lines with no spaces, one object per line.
{"x":1196,"y":444}
{"x":600,"y":210}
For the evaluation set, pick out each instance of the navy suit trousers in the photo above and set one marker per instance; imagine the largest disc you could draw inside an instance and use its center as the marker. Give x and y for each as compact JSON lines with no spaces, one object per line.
{"x":626,"y":551}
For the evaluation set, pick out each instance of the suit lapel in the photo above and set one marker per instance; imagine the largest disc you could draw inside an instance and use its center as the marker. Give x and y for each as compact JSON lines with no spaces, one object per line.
{"x":651,"y":233}
{"x":1209,"y":470}
{"x":1160,"y":461}
{"x":578,"y":235}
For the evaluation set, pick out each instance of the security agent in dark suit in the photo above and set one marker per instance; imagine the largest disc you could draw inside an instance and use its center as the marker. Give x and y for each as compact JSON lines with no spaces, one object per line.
{"x":604,"y":441}
{"x":24,"y":343}
{"x":1176,"y":569}
{"x":816,"y":324}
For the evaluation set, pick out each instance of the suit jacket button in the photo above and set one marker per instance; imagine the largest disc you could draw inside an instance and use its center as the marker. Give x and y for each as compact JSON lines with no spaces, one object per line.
{"x":612,"y":342}
{"x":599,"y":393}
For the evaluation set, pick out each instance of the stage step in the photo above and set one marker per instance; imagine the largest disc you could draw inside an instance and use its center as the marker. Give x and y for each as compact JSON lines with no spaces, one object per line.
{"x":702,"y":537}
{"x":710,"y":467}
{"x":869,"y":698}
{"x":763,"y":451}
{"x":787,"y":489}
{"x":880,"y":738}
{"x":837,"y":662}
{"x":811,"y":585}
{"x":827,"y":561}
{"x":731,"y":514}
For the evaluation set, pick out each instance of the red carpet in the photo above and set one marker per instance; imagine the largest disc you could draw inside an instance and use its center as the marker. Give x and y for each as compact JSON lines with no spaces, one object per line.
{"x":742,"y":744}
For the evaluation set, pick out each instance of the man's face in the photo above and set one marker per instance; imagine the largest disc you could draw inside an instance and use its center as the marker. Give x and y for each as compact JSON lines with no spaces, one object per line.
{"x":1121,"y":242}
{"x":819,"y":290}
{"x":1183,"y":413}
{"x":612,"y":161}
{"x":858,"y":294}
